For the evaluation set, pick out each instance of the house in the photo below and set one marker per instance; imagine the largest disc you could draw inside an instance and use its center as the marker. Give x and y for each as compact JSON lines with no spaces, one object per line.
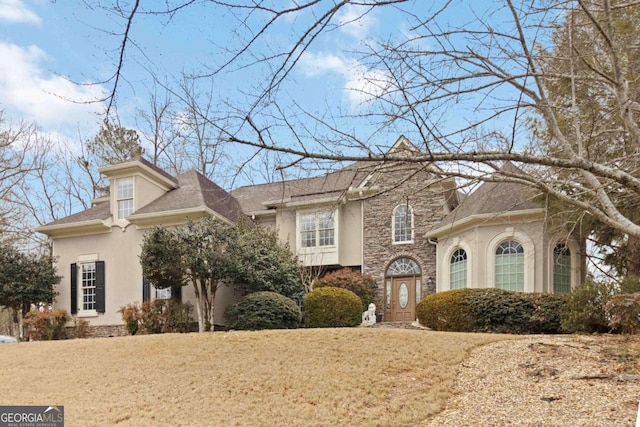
{"x":400,"y":222}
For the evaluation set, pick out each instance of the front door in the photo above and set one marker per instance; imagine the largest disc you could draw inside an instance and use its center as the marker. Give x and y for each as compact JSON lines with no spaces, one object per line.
{"x":403,"y":299}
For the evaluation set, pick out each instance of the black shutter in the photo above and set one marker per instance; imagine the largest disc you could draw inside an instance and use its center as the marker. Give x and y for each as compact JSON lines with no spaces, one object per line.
{"x":146,"y":290}
{"x":176,"y":293}
{"x":74,"y":288}
{"x":100,"y":284}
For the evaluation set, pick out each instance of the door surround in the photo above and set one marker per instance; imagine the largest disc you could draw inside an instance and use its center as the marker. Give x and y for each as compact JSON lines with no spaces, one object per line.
{"x":403,"y":286}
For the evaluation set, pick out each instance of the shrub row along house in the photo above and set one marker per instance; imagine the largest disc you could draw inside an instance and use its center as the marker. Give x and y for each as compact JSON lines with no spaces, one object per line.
{"x":407,"y":227}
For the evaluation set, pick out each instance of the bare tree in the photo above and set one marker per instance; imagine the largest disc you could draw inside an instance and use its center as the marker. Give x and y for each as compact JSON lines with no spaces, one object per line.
{"x":465,"y":90}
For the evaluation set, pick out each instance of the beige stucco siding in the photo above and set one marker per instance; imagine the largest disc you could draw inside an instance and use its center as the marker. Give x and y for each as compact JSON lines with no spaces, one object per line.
{"x":120,"y":251}
{"x":145,"y":191}
{"x":480,"y":243}
{"x":350,"y":238}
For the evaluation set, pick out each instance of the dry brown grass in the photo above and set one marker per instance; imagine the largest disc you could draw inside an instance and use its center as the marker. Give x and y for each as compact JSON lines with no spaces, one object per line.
{"x":306,"y":377}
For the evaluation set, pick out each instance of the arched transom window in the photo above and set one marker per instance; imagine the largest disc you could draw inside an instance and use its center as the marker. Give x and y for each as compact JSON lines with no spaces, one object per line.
{"x":561,"y":269}
{"x":458,"y":269}
{"x":402,"y":227}
{"x":403,"y":267}
{"x":509,"y":273}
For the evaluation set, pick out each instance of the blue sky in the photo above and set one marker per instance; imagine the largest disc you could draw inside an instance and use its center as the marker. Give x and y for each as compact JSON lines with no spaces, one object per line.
{"x":49,"y":47}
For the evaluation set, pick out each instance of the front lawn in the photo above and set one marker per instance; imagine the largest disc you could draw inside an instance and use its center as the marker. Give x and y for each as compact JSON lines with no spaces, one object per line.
{"x":305,"y":377}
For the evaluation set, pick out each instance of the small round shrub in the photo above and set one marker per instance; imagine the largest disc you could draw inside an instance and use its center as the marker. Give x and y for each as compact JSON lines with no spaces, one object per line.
{"x":363,"y":285}
{"x":623,"y":312}
{"x":585,"y":309}
{"x":263,"y":310}
{"x":446,"y":311}
{"x":330,"y":307}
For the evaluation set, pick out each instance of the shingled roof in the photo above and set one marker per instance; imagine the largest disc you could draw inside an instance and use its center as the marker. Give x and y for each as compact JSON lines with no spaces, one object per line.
{"x":254,"y":198}
{"x":98,"y":212}
{"x":194,"y":190}
{"x":495,"y":198}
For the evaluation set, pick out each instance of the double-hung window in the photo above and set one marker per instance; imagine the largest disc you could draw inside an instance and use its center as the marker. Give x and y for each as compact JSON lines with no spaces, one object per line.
{"x":317,"y":229}
{"x":88,"y":285}
{"x":124,"y":193}
{"x":402,"y":226}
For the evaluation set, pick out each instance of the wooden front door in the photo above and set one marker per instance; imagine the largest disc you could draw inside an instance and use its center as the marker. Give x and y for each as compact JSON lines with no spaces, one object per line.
{"x":403,"y":299}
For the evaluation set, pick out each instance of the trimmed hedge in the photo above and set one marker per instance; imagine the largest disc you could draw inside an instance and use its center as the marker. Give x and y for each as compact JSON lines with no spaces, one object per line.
{"x":363,"y":285}
{"x":330,"y":307}
{"x":263,"y":310}
{"x":492,"y":310}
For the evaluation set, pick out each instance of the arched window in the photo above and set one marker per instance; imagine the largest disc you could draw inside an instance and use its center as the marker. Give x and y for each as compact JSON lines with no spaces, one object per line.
{"x":402,"y":226}
{"x":403,"y":267}
{"x":458,"y":269}
{"x":561,"y":269}
{"x":509,"y":273}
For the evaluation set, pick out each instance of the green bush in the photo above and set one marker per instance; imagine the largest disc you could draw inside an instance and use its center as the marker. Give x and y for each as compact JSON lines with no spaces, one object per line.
{"x":446,"y":311}
{"x":157,"y":317}
{"x":360,"y":284}
{"x":623,"y":312}
{"x":491,"y":310}
{"x":585,"y":309}
{"x":546,"y":317}
{"x":630,"y":285}
{"x":46,"y":325}
{"x":263,"y":310}
{"x":330,"y":307}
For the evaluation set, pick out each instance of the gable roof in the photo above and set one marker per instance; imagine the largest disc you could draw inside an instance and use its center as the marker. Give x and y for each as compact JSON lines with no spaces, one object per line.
{"x":99,"y":212}
{"x":493,"y":198}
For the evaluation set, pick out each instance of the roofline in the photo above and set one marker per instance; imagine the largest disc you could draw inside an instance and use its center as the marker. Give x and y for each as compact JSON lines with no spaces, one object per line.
{"x":149,"y":217}
{"x":289,"y":204}
{"x":93,"y":226}
{"x":162,"y":176}
{"x":468,"y":222}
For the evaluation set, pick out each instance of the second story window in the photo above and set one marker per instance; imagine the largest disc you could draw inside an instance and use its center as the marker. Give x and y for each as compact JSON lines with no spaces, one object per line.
{"x":317,"y":229}
{"x":124,"y":193}
{"x":402,"y":226}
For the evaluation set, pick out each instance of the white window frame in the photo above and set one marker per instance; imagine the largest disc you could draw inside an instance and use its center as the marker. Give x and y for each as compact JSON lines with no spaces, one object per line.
{"x":411,"y":225}
{"x":128,"y":185}
{"x":86,"y":284}
{"x":529,"y":257}
{"x":164,"y":293}
{"x":457,"y":263}
{"x":317,"y":231}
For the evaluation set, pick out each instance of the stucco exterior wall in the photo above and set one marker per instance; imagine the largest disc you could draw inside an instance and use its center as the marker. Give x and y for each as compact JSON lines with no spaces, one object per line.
{"x":120,"y":251}
{"x":480,"y":243}
{"x":350,"y":239}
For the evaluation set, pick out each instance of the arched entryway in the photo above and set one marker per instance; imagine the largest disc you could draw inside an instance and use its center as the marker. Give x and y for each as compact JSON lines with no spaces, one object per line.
{"x":403,"y":282}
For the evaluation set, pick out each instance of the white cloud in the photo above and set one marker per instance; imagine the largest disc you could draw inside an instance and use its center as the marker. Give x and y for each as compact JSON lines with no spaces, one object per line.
{"x":357,"y":21}
{"x":361,"y":84}
{"x":17,"y":11}
{"x":28,"y":91}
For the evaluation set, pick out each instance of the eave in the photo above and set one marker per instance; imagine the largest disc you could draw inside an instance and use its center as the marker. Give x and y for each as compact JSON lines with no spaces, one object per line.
{"x":174,"y":217}
{"x":485,"y":219}
{"x":73,"y":229}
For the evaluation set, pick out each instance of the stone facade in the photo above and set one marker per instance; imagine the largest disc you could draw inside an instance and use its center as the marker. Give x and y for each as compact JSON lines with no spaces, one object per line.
{"x":100,"y":331}
{"x":427,"y":202}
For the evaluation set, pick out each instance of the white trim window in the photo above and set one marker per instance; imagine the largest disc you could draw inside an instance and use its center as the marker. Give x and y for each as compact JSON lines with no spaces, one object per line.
{"x":88,"y":286}
{"x":164,"y":293}
{"x":402,"y":224}
{"x":124,"y":197}
{"x":317,"y":229}
{"x":509,"y":266}
{"x":561,"y":269}
{"x":458,"y":269}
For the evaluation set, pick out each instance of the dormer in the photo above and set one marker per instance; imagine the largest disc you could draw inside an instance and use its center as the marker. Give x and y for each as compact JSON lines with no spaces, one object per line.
{"x":134,"y":184}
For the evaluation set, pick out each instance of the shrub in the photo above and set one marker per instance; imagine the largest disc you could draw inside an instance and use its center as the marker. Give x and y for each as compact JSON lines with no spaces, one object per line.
{"x":547,"y":309}
{"x":157,"y":316}
{"x":360,"y":284}
{"x":81,"y":327}
{"x":630,"y":285}
{"x":330,"y":307}
{"x":263,"y":310}
{"x":585,"y":309}
{"x":46,"y":325}
{"x":491,"y":310}
{"x":623,"y":312}
{"x":446,"y":311}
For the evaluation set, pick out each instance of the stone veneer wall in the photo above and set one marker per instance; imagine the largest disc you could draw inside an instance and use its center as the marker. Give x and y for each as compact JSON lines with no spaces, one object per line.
{"x":100,"y":331}
{"x":428,"y":210}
